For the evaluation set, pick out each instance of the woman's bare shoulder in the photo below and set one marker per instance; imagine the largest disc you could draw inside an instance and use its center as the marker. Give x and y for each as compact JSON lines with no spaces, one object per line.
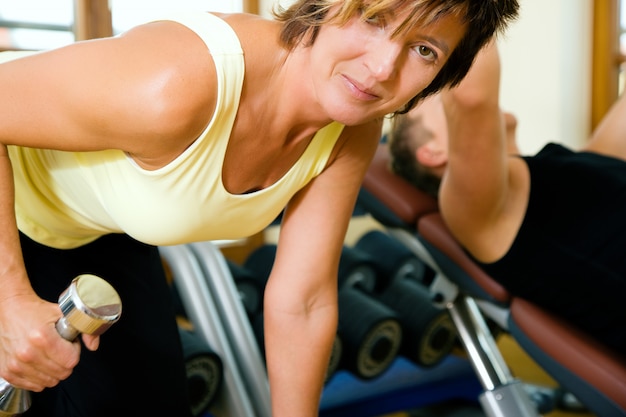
{"x":257,"y":34}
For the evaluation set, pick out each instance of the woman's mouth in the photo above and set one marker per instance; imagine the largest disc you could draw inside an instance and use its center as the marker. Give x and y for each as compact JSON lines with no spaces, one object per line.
{"x":357,"y":90}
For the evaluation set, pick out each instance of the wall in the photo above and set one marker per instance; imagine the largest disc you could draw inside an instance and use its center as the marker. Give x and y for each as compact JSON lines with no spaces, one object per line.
{"x":128,"y":13}
{"x":546,"y":70}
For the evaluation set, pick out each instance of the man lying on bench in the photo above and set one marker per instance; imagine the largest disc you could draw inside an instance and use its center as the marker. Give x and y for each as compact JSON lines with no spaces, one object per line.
{"x":551,"y":228}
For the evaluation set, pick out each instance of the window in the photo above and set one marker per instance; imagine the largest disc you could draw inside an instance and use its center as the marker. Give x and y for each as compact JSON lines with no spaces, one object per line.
{"x":46,"y":24}
{"x":36,"y":24}
{"x":609,"y":56}
{"x":128,"y":13}
{"x":622,"y":45}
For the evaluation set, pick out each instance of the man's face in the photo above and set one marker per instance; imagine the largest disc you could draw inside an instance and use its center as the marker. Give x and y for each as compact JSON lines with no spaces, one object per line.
{"x":428,"y":125}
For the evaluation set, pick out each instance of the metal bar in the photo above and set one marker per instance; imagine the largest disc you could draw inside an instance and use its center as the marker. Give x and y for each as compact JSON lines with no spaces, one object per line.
{"x":236,"y":324}
{"x":14,"y":24}
{"x":484,"y":355}
{"x":199,"y":303}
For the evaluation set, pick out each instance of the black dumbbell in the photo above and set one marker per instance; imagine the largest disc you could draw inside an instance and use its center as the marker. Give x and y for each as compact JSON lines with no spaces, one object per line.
{"x":393,"y":260}
{"x":204,"y":369}
{"x":429,"y":333}
{"x":249,"y":286}
{"x":370,"y":331}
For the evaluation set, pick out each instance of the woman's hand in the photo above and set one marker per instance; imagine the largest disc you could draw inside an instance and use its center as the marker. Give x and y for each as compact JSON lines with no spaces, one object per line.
{"x":33,"y":355}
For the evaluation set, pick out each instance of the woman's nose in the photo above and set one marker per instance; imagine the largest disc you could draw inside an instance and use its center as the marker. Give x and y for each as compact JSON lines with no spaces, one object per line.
{"x":383,"y":59}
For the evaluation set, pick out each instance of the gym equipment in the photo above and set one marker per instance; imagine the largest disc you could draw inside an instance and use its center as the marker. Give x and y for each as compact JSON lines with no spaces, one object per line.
{"x":256,"y":322}
{"x":429,"y":334}
{"x":594,"y":375}
{"x":200,"y":302}
{"x":239,"y":335}
{"x":370,"y":331}
{"x":259,"y":263}
{"x":215,"y":309}
{"x":428,"y":331}
{"x":261,"y":260}
{"x":393,"y":260}
{"x":250,"y":288}
{"x":369,"y":334}
{"x":89,"y":305}
{"x":204,"y":370}
{"x":336,"y":357}
{"x":357,"y":269}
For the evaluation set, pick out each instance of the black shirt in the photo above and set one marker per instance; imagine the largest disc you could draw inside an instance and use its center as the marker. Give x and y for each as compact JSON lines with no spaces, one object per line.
{"x":569,"y":255}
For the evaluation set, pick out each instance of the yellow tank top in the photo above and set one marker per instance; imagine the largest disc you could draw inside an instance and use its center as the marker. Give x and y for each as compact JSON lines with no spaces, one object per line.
{"x":66,"y":199}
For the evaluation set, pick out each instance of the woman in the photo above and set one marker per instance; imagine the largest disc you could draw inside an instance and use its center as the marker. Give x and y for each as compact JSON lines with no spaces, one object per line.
{"x":202,"y":127}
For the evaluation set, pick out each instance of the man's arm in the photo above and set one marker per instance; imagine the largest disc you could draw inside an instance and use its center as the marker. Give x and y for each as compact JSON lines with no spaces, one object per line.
{"x":479,"y":178}
{"x":609,"y":137}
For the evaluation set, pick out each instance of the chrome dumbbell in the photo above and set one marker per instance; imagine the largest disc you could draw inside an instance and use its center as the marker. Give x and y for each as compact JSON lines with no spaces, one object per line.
{"x":90,"y":305}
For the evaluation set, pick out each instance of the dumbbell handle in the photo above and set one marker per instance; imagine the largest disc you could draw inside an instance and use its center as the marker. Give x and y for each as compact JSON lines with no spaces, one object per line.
{"x":66,"y":330}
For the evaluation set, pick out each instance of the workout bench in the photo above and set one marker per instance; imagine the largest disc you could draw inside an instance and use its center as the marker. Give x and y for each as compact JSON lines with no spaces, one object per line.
{"x":594,"y":375}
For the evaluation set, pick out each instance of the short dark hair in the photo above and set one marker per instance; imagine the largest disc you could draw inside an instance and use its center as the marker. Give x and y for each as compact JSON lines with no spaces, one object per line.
{"x":484,"y":19}
{"x":402,"y":148}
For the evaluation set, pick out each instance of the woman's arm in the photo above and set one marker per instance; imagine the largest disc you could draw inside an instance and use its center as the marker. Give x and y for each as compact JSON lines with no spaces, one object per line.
{"x":133,"y":93}
{"x":301,"y":296}
{"x":32,"y":354}
{"x":148,"y":92}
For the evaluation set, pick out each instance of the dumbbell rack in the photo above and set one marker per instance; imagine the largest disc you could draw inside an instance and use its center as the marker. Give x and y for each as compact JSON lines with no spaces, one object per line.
{"x":211,"y":303}
{"x":214,"y":307}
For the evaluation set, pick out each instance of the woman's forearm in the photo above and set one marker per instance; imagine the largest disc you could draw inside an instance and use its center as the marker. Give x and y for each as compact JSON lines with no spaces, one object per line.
{"x":298,"y":350}
{"x":13,"y":279}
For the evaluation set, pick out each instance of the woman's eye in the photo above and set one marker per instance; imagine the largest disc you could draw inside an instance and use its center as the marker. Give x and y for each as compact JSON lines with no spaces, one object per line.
{"x":426,"y":53}
{"x":376,"y":20}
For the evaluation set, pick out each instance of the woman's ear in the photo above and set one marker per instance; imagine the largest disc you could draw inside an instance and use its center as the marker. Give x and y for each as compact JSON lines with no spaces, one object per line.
{"x":431,"y":155}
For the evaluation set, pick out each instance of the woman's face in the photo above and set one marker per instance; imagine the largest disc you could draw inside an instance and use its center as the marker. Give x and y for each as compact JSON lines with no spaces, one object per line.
{"x":359,"y":72}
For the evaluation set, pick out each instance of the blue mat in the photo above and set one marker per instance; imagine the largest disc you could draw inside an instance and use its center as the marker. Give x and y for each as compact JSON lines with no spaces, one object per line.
{"x":403,"y":386}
